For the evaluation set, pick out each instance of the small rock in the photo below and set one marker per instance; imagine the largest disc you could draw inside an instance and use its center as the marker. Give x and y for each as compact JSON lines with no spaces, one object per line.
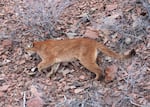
{"x":84,"y":15}
{"x":1,"y":94}
{"x":78,"y":90}
{"x":107,"y":58}
{"x":128,"y":8}
{"x":106,"y":31}
{"x":69,"y":87}
{"x":148,"y":29}
{"x":77,"y":84}
{"x":128,"y":41}
{"x":71,"y":35}
{"x":116,"y":93}
{"x":111,"y":7}
{"x":122,"y":87}
{"x":137,"y":23}
{"x":110,"y":73}
{"x":134,"y":16}
{"x":35,"y":102}
{"x":84,"y":18}
{"x":4,"y":56}
{"x":36,"y":91}
{"x":22,"y":62}
{"x":33,"y":69}
{"x":6,"y":61}
{"x":108,"y":99}
{"x":2,"y":80}
{"x":91,"y":33}
{"x":72,"y":87}
{"x":92,"y":10}
{"x":114,"y":35}
{"x":1,"y":50}
{"x":66,"y":71}
{"x":66,"y":88}
{"x":82,"y":77}
{"x":19,"y":51}
{"x":148,"y":45}
{"x":4,"y":88}
{"x":9,"y":106}
{"x":6,"y":43}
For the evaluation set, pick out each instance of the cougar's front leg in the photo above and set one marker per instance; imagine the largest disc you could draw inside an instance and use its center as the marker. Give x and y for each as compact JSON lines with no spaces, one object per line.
{"x":45,"y":64}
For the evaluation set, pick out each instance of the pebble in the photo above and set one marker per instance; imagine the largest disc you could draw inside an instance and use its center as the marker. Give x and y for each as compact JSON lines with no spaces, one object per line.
{"x":78,"y":90}
{"x":33,"y":69}
{"x":6,"y":43}
{"x":128,"y":40}
{"x":148,"y":29}
{"x":82,"y":77}
{"x":1,"y":94}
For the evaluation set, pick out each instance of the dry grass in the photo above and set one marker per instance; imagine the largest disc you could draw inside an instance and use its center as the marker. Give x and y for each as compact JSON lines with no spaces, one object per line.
{"x":41,"y":16}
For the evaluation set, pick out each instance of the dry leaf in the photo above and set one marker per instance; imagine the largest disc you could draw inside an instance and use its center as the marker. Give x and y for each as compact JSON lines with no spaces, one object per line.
{"x":1,"y":94}
{"x":146,"y":87}
{"x":71,"y":35}
{"x":65,"y":71}
{"x":108,"y":100}
{"x":111,"y":20}
{"x":20,"y":62}
{"x":148,"y":29}
{"x":91,"y":33}
{"x":35,"y":102}
{"x":6,"y":43}
{"x":110,"y":73}
{"x":116,"y":93}
{"x":128,"y":40}
{"x":4,"y":87}
{"x":111,"y":7}
{"x":35,"y":92}
{"x":128,"y":8}
{"x":78,"y":90}
{"x":9,"y":106}
{"x":82,"y":77}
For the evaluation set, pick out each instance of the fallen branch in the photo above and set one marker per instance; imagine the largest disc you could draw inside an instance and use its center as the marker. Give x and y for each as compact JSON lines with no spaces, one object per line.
{"x":24,"y":99}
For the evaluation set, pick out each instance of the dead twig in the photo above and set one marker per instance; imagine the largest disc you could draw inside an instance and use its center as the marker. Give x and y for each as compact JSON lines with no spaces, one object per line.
{"x":24,"y":99}
{"x":132,"y":102}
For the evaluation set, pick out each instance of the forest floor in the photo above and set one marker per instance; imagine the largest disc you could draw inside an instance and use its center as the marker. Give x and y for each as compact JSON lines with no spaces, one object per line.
{"x":120,"y":25}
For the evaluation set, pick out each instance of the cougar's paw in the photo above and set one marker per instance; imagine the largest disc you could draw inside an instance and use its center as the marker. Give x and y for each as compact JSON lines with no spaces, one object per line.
{"x":100,"y":78}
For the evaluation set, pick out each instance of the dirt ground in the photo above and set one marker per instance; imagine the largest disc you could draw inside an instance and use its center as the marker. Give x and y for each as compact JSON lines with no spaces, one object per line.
{"x":120,"y":25}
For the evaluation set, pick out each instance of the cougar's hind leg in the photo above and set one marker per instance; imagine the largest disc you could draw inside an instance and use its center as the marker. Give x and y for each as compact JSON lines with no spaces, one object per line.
{"x":45,"y":64}
{"x":93,"y":67}
{"x":89,"y":62}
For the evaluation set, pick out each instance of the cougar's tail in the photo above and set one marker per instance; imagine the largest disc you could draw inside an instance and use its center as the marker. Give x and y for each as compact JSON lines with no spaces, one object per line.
{"x":113,"y":54}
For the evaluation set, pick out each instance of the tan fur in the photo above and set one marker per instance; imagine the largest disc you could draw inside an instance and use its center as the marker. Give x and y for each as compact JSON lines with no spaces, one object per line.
{"x":83,"y":49}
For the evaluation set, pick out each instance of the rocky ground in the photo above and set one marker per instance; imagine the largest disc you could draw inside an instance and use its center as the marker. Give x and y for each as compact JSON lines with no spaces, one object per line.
{"x":120,"y":25}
